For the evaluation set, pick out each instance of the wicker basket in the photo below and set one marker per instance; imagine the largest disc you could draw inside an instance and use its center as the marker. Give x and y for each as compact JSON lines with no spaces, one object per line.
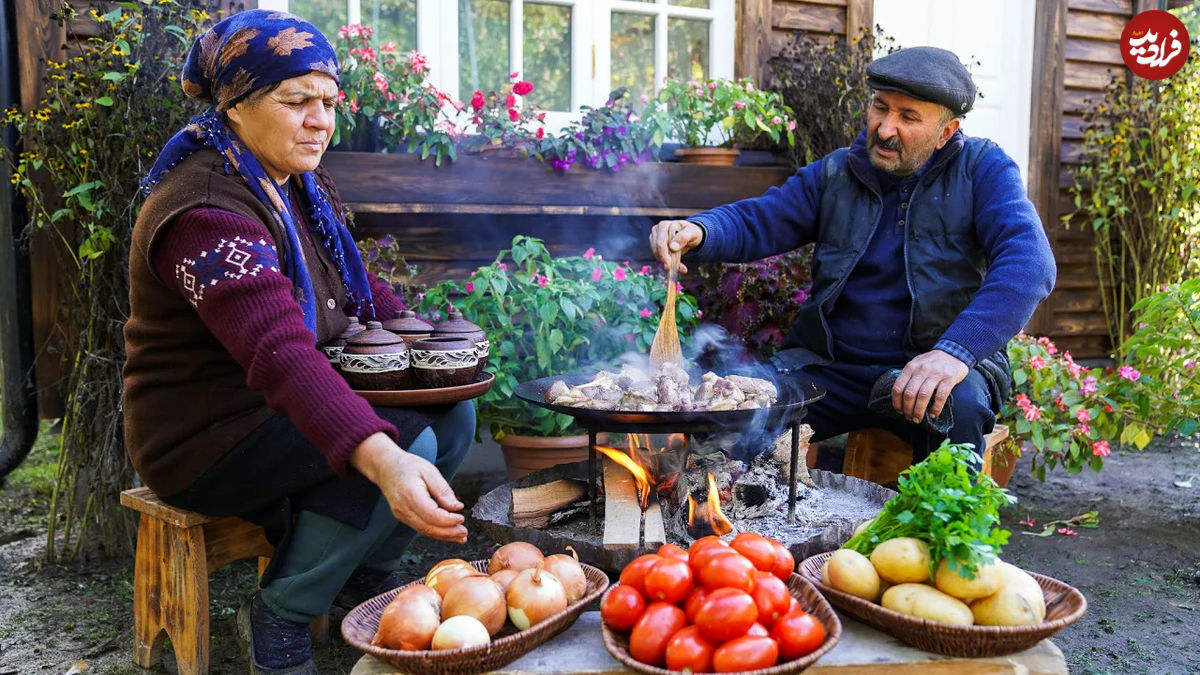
{"x":1064,"y":606}
{"x":360,"y":625}
{"x":810,"y":600}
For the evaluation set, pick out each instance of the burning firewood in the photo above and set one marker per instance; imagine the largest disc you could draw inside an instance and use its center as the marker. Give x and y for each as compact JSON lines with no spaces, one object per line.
{"x":783,"y":453}
{"x":533,"y":506}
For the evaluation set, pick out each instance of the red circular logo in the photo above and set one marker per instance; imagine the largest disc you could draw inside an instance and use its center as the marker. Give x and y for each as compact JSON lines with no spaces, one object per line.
{"x":1155,"y":44}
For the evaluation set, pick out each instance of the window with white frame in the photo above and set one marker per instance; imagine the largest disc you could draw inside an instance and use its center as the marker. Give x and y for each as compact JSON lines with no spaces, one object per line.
{"x":574,"y":51}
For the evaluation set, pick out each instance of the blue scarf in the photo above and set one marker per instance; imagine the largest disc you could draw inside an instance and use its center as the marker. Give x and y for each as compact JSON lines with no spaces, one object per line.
{"x":245,"y":52}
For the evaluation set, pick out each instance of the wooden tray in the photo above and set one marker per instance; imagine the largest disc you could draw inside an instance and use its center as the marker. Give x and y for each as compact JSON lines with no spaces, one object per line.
{"x":508,"y":645}
{"x":810,"y":600}
{"x":1064,"y":606}
{"x":402,"y":398}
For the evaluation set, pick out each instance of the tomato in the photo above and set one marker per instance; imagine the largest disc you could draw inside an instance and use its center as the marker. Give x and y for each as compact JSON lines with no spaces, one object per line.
{"x":785,"y":564}
{"x":687,"y":650}
{"x":793,"y":606}
{"x":745,"y":653}
{"x":772,"y":597}
{"x":732,"y":571}
{"x":725,"y":614}
{"x":672,"y":551}
{"x":622,"y":607}
{"x":648,"y":640}
{"x":757,"y":548}
{"x":699,"y":557}
{"x":758,"y":630}
{"x":634,"y":573}
{"x":705,"y":541}
{"x":798,"y":633}
{"x":694,"y":600}
{"x":669,"y":580}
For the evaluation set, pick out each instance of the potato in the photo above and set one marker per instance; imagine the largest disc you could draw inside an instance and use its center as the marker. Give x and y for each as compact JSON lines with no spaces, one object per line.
{"x":927,"y":602}
{"x":825,"y":574}
{"x":988,"y":580}
{"x":902,"y":560}
{"x":862,"y":526}
{"x":851,"y":572}
{"x":1019,"y":602}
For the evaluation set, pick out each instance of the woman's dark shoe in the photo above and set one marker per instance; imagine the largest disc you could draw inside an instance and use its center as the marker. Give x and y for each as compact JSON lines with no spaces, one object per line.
{"x":277,"y":646}
{"x":366,"y":583}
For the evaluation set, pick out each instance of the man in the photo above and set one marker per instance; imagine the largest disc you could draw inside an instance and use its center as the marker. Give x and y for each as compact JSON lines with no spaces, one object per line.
{"x":929,"y":259}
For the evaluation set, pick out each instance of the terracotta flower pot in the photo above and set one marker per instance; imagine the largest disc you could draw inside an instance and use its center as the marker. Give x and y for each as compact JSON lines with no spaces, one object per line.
{"x":526,"y":454}
{"x":710,"y":156}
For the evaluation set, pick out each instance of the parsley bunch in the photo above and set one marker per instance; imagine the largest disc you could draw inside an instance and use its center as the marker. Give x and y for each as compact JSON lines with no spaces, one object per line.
{"x":943,"y":502}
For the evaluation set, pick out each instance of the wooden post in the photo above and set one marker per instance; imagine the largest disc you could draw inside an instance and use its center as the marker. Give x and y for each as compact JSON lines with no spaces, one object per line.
{"x":860,"y":14}
{"x":753,"y":39}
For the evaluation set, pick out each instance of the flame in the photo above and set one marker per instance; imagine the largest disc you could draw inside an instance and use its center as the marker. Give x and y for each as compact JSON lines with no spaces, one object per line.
{"x":691,"y":521}
{"x":720,"y":524}
{"x":676,"y":442}
{"x":639,"y":474}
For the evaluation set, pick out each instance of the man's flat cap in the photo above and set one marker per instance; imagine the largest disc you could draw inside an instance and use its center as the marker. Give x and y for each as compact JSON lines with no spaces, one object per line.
{"x":927,"y":73}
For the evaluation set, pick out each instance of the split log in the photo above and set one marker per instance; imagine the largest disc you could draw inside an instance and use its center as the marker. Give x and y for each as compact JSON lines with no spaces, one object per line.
{"x":622,"y":511}
{"x":783,"y":453}
{"x":533,"y":506}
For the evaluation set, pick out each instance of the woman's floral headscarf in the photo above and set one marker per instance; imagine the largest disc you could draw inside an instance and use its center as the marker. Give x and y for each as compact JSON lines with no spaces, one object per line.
{"x":247,"y":51}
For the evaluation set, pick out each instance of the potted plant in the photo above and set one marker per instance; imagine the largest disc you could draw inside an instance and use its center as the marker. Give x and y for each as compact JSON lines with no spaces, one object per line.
{"x":502,"y":120}
{"x":608,"y":137}
{"x":545,"y":316}
{"x":709,"y":118}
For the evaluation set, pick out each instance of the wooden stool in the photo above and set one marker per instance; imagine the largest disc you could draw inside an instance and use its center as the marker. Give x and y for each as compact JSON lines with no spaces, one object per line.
{"x":879,"y":456}
{"x":176,"y":551}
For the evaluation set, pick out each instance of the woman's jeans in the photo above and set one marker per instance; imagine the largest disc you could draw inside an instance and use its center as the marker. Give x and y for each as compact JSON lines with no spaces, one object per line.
{"x":320,"y":551}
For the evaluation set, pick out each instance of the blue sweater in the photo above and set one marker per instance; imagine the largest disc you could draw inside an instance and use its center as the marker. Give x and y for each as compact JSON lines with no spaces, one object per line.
{"x":1020,"y":272}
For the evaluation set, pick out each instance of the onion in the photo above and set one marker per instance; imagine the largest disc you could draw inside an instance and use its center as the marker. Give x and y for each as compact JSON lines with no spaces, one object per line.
{"x":504,"y":578}
{"x":449,"y":575}
{"x":448,"y":561}
{"x":409,"y":622}
{"x":533,"y":596}
{"x":479,"y":597}
{"x":460,"y":631}
{"x":569,"y":572}
{"x":517,"y":555}
{"x":424,"y":592}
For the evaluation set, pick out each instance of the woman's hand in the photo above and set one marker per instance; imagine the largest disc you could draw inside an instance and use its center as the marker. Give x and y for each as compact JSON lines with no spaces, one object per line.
{"x":670,"y":236}
{"x":418,"y":494}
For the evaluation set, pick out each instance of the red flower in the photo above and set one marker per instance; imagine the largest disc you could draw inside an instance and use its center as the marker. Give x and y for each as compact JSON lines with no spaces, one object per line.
{"x":523,"y":88}
{"x":477,"y":100}
{"x":540,"y":132}
{"x":510,"y":101}
{"x":513,"y":114}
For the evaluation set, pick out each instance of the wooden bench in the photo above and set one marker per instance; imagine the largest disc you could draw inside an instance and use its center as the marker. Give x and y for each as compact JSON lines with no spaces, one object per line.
{"x":176,"y":551}
{"x":879,"y":456}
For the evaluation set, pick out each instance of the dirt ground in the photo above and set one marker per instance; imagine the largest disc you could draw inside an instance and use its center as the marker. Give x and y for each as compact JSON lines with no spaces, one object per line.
{"x":1139,"y":568}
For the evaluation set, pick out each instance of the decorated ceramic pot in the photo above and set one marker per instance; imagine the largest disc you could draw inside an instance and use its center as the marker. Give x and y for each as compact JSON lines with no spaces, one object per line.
{"x":456,"y":326}
{"x":409,"y":326}
{"x":376,"y":359}
{"x":444,"y":361}
{"x":333,"y":348}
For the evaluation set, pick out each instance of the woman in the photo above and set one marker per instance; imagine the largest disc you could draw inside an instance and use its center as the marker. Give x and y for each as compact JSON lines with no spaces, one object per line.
{"x":240,"y":266}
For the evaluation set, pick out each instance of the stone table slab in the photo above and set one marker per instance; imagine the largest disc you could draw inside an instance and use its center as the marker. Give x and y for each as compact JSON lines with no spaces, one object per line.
{"x":862,"y":650}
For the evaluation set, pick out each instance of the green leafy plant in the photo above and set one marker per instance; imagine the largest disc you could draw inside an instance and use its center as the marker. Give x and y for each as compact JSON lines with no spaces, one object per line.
{"x":382,"y":257}
{"x":757,"y":301}
{"x":105,"y":115}
{"x":386,"y":98}
{"x":548,"y":315}
{"x":1138,"y":190}
{"x":718,"y":113}
{"x":947,"y":505}
{"x":608,"y":137}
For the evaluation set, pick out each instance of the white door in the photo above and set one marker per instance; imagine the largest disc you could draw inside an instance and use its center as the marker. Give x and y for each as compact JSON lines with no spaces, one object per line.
{"x":995,"y":39}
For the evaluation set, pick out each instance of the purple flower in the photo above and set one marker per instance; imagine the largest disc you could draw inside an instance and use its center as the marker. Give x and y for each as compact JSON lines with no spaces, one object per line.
{"x":1129,"y":373}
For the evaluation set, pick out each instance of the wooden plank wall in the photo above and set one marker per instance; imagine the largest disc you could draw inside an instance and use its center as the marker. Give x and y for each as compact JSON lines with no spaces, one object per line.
{"x":765,"y":26}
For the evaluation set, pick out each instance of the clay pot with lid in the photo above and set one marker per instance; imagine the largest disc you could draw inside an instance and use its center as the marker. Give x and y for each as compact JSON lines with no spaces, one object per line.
{"x":376,"y":360}
{"x":456,"y":326}
{"x":444,"y":361}
{"x":409,"y":326}
{"x":333,"y":348}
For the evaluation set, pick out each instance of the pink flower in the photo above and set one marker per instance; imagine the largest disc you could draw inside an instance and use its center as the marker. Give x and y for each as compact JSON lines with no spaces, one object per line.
{"x":619,"y":274}
{"x":341,"y":96}
{"x":645,"y":271}
{"x":1066,"y":531}
{"x":477,"y":100}
{"x":1083,"y":415}
{"x":1022,"y":400}
{"x":597,"y":273}
{"x":1088,"y":387}
{"x":503,"y":266}
{"x":513,"y":115}
{"x":1100,"y":448}
{"x":791,"y":125}
{"x":513,"y":76}
{"x":587,"y":255}
{"x":523,"y":88}
{"x":470,"y":287}
{"x":1129,"y":373}
{"x":540,"y":133}
{"x":1189,"y":364}
{"x":678,"y":287}
{"x":776,"y":120}
{"x":699,"y":314}
{"x":1084,"y":429}
{"x":542,"y":280}
{"x":1037,"y":362}
{"x":739,"y":105}
{"x":389,"y":47}
{"x":380,"y":81}
{"x":1028,"y":522}
{"x":644,"y":99}
{"x":645,"y":313}
{"x":510,"y":101}
{"x":415,"y":59}
{"x":343,"y":32}
{"x":1033,"y":413}
{"x":354,"y":105}
{"x":368,"y":54}
{"x":800,"y":296}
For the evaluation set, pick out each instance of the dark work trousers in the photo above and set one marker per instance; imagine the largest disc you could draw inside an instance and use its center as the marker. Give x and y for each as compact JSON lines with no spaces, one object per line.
{"x":844,"y":408}
{"x":339,"y":523}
